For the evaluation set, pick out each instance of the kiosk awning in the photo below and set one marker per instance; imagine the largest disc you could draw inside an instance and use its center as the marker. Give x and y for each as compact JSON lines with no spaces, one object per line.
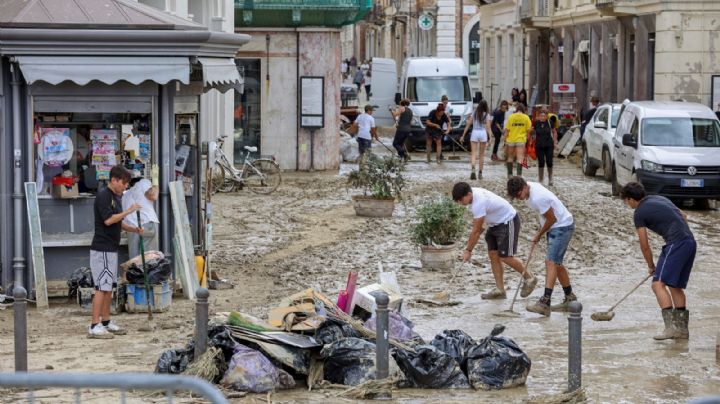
{"x":107,"y":69}
{"x":221,"y":74}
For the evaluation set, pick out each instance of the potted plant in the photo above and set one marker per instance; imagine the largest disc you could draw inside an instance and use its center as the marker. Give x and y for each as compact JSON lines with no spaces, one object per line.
{"x":381,"y":180}
{"x":441,"y":222}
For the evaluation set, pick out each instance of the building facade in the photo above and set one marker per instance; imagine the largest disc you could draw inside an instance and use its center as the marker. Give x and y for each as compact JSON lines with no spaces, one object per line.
{"x":618,"y":49}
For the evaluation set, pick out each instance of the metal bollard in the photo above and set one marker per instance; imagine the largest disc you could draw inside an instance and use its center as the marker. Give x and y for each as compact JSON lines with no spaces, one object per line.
{"x":382,"y":345}
{"x":575,"y":346}
{"x":201,"y":321}
{"x":20,"y":317}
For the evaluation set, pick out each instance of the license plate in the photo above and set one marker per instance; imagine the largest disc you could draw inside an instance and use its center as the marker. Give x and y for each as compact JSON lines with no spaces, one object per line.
{"x":694,"y":183}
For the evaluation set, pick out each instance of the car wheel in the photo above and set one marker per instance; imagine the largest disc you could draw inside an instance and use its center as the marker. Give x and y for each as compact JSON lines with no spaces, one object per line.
{"x":587,"y":167}
{"x":614,"y":186}
{"x":701,"y":203}
{"x":606,"y":165}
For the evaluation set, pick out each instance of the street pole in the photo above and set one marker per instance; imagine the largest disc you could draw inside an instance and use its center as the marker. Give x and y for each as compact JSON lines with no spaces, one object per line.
{"x":575,"y":346}
{"x":382,"y":345}
{"x":20,"y":324}
{"x":201,"y":321}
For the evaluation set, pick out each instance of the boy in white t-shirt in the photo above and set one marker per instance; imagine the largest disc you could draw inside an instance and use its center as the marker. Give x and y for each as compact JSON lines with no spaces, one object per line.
{"x":501,"y":237}
{"x":366,"y":132}
{"x":557,"y":223}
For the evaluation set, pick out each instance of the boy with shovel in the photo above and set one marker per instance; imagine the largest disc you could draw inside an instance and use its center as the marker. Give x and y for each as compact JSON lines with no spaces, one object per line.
{"x":109,"y":217}
{"x":671,"y":274}
{"x":501,"y":237}
{"x":557,"y":224}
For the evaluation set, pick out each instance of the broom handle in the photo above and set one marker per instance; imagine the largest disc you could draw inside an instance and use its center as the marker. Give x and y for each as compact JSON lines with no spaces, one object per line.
{"x":522,"y":276}
{"x":456,"y":273}
{"x":630,"y":292}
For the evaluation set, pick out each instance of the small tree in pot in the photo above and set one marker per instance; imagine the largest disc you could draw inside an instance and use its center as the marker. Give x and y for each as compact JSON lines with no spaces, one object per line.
{"x":441,"y":223}
{"x":381,"y":181}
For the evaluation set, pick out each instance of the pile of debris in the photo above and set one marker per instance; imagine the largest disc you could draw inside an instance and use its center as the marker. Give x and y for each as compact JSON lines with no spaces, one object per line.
{"x":309,"y":339}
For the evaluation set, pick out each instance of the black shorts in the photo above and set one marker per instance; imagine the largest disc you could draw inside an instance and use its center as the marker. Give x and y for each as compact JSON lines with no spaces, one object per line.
{"x":363,"y":145}
{"x":503,"y":237}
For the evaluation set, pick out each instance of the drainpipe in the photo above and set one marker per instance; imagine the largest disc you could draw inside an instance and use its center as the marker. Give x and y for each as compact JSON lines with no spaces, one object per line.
{"x":167,"y":151}
{"x":297,"y":96}
{"x":18,"y":196}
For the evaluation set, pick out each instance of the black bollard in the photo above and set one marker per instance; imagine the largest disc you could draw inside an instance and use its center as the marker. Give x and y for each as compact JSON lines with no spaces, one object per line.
{"x":575,"y":346}
{"x":201,"y":321}
{"x":382,"y":344}
{"x":20,"y":317}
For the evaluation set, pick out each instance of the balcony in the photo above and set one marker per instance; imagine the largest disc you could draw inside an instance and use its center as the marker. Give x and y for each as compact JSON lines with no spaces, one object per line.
{"x":536,"y":13}
{"x":298,"y":13}
{"x":616,"y":7}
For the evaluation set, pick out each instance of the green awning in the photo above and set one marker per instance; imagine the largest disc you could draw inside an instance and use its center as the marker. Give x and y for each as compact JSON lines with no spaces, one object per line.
{"x":299,"y":13}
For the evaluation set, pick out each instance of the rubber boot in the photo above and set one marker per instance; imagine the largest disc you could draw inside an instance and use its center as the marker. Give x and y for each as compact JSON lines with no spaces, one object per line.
{"x":438,"y":158}
{"x":428,"y":157}
{"x":472,"y":173}
{"x":479,"y":176}
{"x":519,"y":169}
{"x":550,"y":181}
{"x":509,"y":169}
{"x":669,"y":331}
{"x":680,"y":322}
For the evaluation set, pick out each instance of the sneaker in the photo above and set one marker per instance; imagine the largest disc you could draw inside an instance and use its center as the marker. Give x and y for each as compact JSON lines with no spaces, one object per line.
{"x":528,"y":286}
{"x":472,"y":175}
{"x":115,"y":329}
{"x":493,"y":293}
{"x":565,"y":303}
{"x":542,"y":306}
{"x":99,"y":332}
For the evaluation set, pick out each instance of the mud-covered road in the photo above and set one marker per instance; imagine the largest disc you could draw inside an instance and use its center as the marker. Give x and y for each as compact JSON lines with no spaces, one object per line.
{"x":307,"y":235}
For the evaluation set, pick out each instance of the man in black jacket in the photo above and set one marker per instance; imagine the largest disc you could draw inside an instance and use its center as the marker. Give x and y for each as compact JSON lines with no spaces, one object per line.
{"x":587,"y":115}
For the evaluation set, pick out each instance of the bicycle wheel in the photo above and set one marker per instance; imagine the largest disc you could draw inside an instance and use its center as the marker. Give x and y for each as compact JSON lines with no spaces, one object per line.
{"x":220,"y":182}
{"x":265,"y":178}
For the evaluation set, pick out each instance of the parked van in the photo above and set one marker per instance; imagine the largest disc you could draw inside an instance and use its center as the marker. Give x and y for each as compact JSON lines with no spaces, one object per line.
{"x":672,"y":148}
{"x":424,"y":81}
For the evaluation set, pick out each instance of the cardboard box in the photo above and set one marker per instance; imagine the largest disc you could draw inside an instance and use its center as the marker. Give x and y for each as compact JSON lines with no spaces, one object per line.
{"x":61,"y":191}
{"x":364,"y":298}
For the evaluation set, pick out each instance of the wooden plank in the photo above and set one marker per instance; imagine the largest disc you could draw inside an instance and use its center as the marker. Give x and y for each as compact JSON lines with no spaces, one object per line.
{"x":38,"y":258}
{"x":184,"y":252}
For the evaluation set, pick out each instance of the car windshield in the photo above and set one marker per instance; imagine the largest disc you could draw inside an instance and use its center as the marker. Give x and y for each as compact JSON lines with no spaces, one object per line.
{"x":681,"y":132}
{"x":615,"y":116}
{"x":430,"y":89}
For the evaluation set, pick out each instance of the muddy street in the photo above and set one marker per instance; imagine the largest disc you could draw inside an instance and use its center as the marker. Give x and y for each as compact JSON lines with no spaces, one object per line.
{"x":306,"y":234}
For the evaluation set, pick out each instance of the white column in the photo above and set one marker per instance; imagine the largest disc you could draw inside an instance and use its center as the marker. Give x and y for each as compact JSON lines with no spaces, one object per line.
{"x":446,"y":28}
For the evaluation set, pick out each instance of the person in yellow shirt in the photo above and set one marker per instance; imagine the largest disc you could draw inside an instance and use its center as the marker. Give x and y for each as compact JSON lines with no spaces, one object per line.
{"x":516,"y":134}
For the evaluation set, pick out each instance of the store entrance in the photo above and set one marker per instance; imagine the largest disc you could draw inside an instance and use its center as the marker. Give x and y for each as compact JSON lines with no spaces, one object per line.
{"x":247,"y":110}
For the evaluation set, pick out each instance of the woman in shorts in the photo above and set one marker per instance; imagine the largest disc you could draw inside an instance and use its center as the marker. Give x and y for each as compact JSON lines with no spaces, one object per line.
{"x":480,"y":121}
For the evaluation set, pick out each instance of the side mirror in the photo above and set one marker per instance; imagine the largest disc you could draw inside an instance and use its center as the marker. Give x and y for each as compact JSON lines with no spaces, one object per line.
{"x":627,"y":140}
{"x":478,"y":97}
{"x":398,"y":97}
{"x":601,"y":125}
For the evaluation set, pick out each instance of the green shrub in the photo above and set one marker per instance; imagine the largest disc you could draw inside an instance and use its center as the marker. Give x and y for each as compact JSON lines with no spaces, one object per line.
{"x":441,"y":222}
{"x":381,"y":177}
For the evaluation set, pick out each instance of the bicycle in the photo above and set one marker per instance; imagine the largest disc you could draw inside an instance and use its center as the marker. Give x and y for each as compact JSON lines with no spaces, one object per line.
{"x":261,"y":175}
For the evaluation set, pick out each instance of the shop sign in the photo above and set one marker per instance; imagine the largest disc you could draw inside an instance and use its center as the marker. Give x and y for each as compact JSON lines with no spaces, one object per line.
{"x":425,"y":22}
{"x":563,"y":88}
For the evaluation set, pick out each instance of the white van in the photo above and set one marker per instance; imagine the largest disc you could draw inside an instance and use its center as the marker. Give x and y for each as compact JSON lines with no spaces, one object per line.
{"x":424,"y":81}
{"x":672,"y":148}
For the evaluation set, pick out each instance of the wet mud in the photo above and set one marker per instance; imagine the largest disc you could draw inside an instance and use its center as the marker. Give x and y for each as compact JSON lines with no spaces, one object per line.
{"x":306,"y":234}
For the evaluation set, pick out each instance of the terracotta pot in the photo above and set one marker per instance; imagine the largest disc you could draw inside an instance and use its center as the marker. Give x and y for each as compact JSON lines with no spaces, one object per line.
{"x":370,"y":207}
{"x":442,"y":257}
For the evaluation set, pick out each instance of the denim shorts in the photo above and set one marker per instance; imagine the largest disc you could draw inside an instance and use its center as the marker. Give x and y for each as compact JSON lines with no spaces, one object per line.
{"x":558,"y":239}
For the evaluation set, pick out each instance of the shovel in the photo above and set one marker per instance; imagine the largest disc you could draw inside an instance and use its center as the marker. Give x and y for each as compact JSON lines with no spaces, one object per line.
{"x":608,"y":315}
{"x":445,"y":294}
{"x":510,"y":312}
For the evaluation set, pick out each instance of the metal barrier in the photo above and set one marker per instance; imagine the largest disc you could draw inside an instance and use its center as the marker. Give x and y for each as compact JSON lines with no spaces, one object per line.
{"x":120,"y":381}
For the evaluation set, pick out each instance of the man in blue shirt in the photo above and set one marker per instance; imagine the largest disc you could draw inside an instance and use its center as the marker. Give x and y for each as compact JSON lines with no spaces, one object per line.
{"x":672,"y":271}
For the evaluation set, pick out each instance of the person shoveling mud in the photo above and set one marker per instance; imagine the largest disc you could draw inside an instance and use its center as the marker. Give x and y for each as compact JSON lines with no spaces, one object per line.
{"x":501,"y":237}
{"x":557,"y":223}
{"x":676,"y":259}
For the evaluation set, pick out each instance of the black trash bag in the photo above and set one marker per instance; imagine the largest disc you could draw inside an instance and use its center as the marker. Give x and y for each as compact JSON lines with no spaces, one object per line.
{"x":497,"y":363}
{"x":80,"y":278}
{"x":219,"y":337}
{"x":333,"y":329}
{"x":175,"y":361}
{"x":428,"y":367}
{"x":349,"y":361}
{"x":455,"y":343}
{"x":159,"y":270}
